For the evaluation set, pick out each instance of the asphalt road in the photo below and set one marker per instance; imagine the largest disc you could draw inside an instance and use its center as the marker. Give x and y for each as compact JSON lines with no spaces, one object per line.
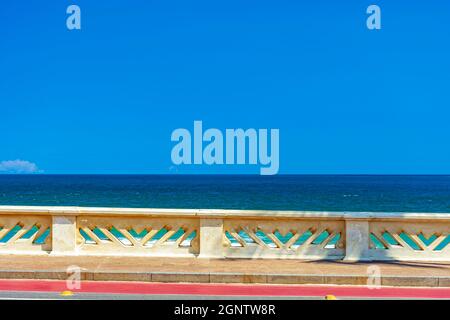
{"x":24,"y":295}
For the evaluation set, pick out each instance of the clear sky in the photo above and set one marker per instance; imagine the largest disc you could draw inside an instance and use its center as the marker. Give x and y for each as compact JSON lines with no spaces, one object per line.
{"x":106,"y":98}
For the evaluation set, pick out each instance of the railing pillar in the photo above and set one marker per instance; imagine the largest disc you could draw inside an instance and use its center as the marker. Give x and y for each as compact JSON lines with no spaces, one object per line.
{"x":64,"y":235}
{"x":211,"y":238}
{"x":356,"y":240}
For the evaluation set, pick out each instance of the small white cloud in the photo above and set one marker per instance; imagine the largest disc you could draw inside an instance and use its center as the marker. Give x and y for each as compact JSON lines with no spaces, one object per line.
{"x":18,"y":166}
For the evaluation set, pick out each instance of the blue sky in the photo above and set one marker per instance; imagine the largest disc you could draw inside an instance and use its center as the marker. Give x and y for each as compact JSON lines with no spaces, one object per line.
{"x":106,"y":98}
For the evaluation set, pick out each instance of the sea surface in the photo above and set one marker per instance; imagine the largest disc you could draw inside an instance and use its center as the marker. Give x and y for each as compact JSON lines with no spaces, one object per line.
{"x":381,"y":193}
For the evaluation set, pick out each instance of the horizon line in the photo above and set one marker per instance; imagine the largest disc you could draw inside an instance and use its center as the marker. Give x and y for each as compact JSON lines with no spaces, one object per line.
{"x":224,"y":174}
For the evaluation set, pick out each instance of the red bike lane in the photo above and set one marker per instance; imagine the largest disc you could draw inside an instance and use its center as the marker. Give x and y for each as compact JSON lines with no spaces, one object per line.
{"x":201,"y":289}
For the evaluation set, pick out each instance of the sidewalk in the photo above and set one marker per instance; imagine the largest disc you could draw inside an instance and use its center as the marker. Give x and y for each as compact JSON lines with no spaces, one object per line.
{"x":145,"y":269}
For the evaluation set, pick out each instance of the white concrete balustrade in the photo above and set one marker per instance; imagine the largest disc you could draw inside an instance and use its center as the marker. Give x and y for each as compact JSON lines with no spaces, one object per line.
{"x":219,"y":234}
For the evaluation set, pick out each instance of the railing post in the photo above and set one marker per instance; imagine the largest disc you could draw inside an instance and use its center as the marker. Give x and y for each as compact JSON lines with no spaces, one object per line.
{"x":356,"y":240}
{"x":211,"y":238}
{"x":64,"y":235}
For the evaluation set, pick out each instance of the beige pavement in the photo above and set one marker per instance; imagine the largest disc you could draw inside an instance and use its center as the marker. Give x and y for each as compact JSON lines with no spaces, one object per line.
{"x":225,"y":271}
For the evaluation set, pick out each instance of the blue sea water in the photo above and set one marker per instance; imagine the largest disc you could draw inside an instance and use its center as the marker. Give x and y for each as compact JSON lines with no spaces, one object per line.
{"x":400,"y":193}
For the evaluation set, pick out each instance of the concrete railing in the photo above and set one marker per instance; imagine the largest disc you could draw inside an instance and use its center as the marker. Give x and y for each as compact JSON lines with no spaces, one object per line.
{"x":225,"y":233}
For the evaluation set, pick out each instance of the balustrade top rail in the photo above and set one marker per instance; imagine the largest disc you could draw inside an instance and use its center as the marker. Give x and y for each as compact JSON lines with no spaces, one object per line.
{"x":218,"y":213}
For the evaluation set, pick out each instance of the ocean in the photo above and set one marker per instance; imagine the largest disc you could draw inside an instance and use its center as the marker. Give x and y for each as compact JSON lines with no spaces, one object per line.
{"x":380,"y":193}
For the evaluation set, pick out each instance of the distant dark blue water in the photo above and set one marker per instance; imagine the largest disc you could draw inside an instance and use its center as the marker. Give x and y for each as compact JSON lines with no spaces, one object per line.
{"x":281,"y":192}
